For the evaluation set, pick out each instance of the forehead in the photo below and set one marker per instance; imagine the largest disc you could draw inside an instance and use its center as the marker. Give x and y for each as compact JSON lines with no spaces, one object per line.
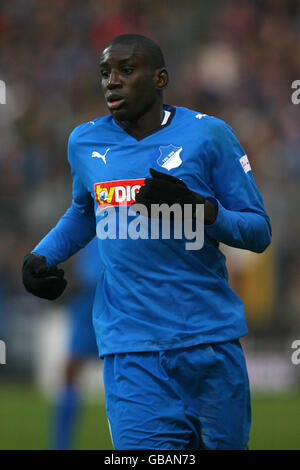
{"x":124,"y":52}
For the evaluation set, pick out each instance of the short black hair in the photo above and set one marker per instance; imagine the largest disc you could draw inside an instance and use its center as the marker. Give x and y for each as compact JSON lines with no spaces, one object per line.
{"x":144,"y":44}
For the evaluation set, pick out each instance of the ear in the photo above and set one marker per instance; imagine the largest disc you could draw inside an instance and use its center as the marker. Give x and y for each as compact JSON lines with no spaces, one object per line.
{"x":161,"y":78}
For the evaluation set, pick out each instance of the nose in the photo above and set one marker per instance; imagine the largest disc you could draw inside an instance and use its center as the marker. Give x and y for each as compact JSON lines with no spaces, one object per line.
{"x":114,"y":80}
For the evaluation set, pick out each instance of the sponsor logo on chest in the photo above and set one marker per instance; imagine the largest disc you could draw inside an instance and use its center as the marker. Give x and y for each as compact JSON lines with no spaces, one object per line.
{"x":117,"y":193}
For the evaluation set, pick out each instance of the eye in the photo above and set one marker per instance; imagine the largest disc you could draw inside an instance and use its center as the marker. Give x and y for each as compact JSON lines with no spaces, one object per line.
{"x":104,"y":73}
{"x":127,"y":70}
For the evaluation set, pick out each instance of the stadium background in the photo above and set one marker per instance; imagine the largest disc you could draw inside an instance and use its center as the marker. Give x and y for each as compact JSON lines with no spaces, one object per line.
{"x":232,"y":59}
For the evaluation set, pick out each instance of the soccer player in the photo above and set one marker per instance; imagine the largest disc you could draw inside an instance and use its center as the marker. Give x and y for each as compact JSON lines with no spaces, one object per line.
{"x":167,"y":322}
{"x":81,"y":348}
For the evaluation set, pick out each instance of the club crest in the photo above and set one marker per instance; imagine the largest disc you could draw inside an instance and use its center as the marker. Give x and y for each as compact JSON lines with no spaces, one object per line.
{"x":169,"y":157}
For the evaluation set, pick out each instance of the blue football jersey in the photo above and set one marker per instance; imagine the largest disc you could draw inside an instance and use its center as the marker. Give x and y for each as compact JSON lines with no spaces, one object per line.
{"x":154,"y":293}
{"x":87,"y":266}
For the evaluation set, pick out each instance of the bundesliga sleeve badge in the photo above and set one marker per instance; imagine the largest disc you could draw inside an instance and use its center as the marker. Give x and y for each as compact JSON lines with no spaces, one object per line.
{"x":245,"y":163}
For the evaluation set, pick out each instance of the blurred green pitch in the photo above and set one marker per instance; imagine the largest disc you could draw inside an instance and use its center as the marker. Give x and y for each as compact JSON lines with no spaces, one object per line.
{"x":25,"y":420}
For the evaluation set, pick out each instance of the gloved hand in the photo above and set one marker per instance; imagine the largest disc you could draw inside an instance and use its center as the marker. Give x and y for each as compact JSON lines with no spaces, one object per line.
{"x":41,"y":280}
{"x":163,"y":188}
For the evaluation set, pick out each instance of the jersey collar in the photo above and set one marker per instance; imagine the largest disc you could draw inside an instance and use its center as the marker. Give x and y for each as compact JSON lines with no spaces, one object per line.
{"x":169,"y":112}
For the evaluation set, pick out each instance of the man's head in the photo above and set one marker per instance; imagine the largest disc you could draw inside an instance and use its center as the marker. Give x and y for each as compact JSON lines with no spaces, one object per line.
{"x":133,"y":76}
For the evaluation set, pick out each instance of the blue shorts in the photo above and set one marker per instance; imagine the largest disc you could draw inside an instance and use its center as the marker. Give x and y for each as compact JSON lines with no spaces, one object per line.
{"x":181,"y":399}
{"x":82,"y":338}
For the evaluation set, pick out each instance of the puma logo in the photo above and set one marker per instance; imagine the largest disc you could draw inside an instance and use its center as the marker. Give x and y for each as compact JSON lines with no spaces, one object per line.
{"x":99,"y":155}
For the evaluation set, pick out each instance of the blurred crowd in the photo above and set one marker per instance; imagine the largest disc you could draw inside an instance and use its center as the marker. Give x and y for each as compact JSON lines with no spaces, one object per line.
{"x":232,"y":59}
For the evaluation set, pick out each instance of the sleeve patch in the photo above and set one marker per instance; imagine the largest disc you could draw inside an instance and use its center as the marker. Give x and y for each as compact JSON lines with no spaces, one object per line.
{"x":245,"y":163}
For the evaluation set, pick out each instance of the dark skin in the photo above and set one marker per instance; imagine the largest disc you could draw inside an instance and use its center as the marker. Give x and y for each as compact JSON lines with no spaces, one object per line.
{"x":128,"y":73}
{"x":132,"y":88}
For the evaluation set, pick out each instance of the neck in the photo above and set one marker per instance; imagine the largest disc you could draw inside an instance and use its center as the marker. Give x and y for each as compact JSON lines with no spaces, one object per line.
{"x":146,"y":122}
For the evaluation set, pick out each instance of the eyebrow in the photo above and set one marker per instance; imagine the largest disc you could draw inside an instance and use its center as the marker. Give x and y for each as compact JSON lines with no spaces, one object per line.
{"x":121,"y":61}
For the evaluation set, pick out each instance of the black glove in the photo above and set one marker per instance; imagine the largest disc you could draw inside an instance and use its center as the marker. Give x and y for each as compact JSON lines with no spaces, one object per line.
{"x":163,"y":188}
{"x":41,"y":280}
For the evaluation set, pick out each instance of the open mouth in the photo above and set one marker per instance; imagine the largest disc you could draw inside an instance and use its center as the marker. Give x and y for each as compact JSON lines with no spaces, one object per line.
{"x":115,"y":102}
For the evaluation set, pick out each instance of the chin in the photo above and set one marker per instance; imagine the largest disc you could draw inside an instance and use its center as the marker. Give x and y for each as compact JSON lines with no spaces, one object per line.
{"x":119,"y":113}
{"x":123,"y":115}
